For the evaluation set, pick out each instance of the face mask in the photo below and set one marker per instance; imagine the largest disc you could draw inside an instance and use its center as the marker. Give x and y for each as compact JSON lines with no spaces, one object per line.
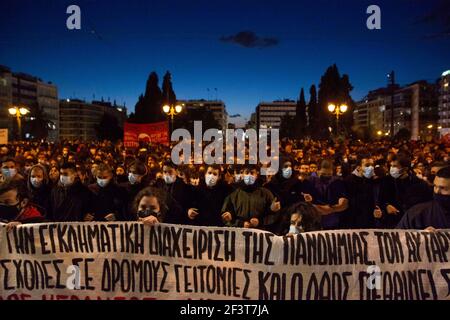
{"x":294,"y":230}
{"x":237,"y":178}
{"x":395,"y":172}
{"x":66,"y":181}
{"x":133,"y":178}
{"x":249,"y":179}
{"x":369,"y":172}
{"x":443,"y":200}
{"x":211,"y":180}
{"x":287,"y":172}
{"x":102,"y":182}
{"x":168,"y":179}
{"x":9,"y":212}
{"x":9,"y":173}
{"x":36,"y":182}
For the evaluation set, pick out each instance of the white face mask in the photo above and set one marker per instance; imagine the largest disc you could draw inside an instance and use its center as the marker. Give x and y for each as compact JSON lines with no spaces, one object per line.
{"x":9,"y":173}
{"x":369,"y":172}
{"x":395,"y":172}
{"x":211,"y":180}
{"x":294,"y":230}
{"x":103,"y":182}
{"x":249,"y":179}
{"x":66,"y":180}
{"x":36,"y":182}
{"x":168,"y":179}
{"x":286,"y":172}
{"x":134,"y":178}
{"x":237,"y":178}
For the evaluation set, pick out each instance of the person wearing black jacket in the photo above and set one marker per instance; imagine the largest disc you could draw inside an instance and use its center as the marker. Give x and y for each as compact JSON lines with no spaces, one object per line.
{"x":38,"y":185}
{"x":434,"y":214}
{"x":137,"y":172}
{"x":360,"y":187}
{"x":178,"y":193}
{"x":109,"y":200}
{"x":70,"y":200}
{"x":401,"y":191}
{"x":208,"y":199}
{"x":289,"y":189}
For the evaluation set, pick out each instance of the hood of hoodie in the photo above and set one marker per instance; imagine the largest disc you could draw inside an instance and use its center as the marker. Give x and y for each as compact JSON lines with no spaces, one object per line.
{"x":46,"y":178}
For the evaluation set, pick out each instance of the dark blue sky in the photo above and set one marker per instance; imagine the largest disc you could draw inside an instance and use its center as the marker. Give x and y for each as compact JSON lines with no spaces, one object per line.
{"x":121,"y":42}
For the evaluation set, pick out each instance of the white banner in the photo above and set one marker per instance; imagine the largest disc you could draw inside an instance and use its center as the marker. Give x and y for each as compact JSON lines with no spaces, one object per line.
{"x":131,"y":261}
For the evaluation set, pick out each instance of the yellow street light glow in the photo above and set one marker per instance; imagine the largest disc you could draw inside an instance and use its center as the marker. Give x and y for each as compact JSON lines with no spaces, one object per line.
{"x":12,"y":111}
{"x":166,"y":108}
{"x":331,"y":107}
{"x":430,"y":126}
{"x":343,"y":108}
{"x":178,"y":108}
{"x":440,"y":127}
{"x":23,"y":111}
{"x":379,"y":132}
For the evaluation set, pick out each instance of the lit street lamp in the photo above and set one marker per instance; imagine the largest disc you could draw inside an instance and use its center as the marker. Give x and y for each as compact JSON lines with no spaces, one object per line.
{"x":172,"y":111}
{"x":337,"y":111}
{"x":18,"y":112}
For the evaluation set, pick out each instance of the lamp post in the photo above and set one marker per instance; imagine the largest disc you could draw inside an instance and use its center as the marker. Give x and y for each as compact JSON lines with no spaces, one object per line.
{"x":18,"y":112}
{"x":337,"y":111}
{"x":172,"y":111}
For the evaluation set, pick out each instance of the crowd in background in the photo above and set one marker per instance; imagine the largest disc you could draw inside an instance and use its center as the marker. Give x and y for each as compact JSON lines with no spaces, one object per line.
{"x":320,"y":185}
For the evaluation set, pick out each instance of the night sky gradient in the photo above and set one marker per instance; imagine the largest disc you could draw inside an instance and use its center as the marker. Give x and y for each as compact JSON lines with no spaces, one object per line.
{"x":251,"y":51}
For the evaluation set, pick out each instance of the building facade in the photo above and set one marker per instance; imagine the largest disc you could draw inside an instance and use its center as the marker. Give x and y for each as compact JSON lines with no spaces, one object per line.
{"x":415,"y":109}
{"x":23,"y":90}
{"x":80,"y":119}
{"x":444,"y":103}
{"x":216,"y":107}
{"x":269,"y":114}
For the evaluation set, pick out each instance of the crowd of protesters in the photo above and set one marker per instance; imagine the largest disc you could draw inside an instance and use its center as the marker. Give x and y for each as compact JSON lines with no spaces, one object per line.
{"x":320,"y":185}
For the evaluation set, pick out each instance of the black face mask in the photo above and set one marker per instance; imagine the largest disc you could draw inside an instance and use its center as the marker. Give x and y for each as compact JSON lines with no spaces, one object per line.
{"x":9,"y":212}
{"x":443,"y":200}
{"x":147,"y":213}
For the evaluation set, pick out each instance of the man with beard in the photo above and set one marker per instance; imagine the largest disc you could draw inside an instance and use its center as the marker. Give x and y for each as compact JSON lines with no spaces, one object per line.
{"x":209,"y":198}
{"x":434,"y":214}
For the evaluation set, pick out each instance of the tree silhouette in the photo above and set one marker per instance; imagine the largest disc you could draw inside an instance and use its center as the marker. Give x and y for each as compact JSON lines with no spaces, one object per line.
{"x":108,"y":128}
{"x":334,"y":89}
{"x":300,"y":116}
{"x":39,"y":125}
{"x":287,"y":126}
{"x":312,"y":111}
{"x":148,"y":109}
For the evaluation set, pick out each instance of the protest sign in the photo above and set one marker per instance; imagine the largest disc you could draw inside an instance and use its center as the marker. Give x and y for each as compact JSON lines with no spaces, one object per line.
{"x":145,"y":132}
{"x":128,"y":260}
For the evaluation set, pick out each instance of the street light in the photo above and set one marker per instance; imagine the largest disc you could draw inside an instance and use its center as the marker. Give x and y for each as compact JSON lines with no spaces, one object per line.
{"x":337,"y":111}
{"x":172,"y":111}
{"x":379,"y":132}
{"x":18,"y":112}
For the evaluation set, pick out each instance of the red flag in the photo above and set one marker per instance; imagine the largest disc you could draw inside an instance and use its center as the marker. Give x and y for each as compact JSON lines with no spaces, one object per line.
{"x":147,"y":132}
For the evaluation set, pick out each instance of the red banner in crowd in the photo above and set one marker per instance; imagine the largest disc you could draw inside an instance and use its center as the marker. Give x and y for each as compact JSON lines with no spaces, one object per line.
{"x":147,"y":132}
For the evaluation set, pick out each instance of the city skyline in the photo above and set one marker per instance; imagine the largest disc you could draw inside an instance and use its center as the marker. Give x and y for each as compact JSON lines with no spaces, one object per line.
{"x":267,"y":52}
